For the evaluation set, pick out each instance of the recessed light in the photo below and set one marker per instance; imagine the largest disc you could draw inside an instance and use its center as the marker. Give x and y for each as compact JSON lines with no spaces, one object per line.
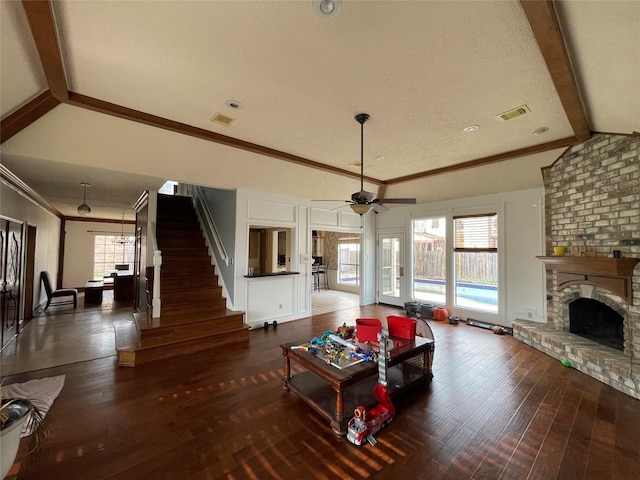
{"x":471,"y":128}
{"x":235,"y":104}
{"x":540,"y":131}
{"x":378,"y":158}
{"x":327,"y":8}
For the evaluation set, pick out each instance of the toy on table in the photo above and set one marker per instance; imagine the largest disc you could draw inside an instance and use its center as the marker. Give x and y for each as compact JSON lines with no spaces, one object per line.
{"x":365,"y":423}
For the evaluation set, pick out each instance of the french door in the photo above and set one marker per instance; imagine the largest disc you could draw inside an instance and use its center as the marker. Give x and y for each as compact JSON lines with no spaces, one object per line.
{"x":391,"y":271}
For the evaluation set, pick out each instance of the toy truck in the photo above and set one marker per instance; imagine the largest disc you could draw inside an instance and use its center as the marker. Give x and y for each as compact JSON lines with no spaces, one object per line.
{"x":366,"y":423}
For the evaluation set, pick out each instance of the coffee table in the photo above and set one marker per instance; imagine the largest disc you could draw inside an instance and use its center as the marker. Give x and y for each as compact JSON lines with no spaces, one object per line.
{"x":332,"y":391}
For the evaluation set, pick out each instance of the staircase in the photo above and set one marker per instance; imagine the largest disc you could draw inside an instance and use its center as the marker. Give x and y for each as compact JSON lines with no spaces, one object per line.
{"x":194,"y":316}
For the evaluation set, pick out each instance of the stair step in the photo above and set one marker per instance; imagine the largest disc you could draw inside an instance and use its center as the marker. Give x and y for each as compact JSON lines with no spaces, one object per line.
{"x":127,"y":339}
{"x":189,"y":308}
{"x":170,"y":283}
{"x":184,"y":252}
{"x":182,"y":242}
{"x":173,"y":260}
{"x":135,"y":357}
{"x":173,"y":329}
{"x":168,"y":272}
{"x":203,"y":294}
{"x":177,"y":225}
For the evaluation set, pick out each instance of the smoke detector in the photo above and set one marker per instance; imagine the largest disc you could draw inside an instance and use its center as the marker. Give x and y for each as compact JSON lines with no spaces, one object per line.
{"x":513,"y":113}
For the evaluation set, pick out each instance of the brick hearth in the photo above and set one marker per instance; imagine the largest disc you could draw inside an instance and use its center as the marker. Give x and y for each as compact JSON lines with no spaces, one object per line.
{"x":592,"y":207}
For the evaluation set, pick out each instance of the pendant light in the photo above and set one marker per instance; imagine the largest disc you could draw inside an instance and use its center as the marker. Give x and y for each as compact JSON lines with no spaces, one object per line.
{"x":84,"y":209}
{"x":122,"y":239}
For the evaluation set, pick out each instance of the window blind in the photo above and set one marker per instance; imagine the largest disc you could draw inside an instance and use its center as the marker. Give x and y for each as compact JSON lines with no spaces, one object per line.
{"x":476,"y":233}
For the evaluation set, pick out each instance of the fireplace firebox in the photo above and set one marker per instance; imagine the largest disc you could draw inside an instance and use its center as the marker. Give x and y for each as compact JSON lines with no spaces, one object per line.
{"x":596,"y":321}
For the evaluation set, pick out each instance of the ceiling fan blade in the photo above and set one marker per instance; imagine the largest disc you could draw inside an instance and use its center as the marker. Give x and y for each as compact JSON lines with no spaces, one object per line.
{"x":379,"y":208}
{"x":410,"y":201}
{"x":338,"y":208}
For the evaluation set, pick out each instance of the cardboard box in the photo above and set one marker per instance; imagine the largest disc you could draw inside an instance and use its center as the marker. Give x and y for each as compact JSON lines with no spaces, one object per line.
{"x":402,"y":327}
{"x":368,"y":329}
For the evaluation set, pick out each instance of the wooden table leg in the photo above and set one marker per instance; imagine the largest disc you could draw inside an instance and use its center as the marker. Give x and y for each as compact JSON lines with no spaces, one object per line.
{"x":337,"y":424}
{"x":287,"y":369}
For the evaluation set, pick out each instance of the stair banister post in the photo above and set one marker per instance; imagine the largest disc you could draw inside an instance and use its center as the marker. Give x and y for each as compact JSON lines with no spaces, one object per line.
{"x":157,"y":263}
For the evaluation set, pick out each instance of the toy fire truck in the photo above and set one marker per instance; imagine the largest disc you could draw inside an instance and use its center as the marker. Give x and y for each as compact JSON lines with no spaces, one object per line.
{"x":366,"y":423}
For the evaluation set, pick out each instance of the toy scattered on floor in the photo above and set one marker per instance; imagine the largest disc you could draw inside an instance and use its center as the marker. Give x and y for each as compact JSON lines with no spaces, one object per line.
{"x":566,"y":363}
{"x":366,"y":423}
{"x":274,"y":324}
{"x":498,"y":330}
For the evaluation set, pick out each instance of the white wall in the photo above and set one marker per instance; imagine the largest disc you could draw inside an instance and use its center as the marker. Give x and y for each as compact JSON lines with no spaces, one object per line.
{"x":78,"y":249}
{"x":287,"y":297}
{"x":521,"y":229}
{"x":17,"y":207}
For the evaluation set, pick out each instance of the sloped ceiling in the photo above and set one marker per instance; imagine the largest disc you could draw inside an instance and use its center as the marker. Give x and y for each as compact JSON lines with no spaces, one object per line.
{"x":120,"y":94}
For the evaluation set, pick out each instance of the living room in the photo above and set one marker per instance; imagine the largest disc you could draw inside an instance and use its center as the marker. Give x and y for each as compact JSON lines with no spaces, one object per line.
{"x":501,"y":118}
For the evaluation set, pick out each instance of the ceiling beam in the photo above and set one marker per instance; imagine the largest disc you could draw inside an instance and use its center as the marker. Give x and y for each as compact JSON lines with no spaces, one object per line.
{"x":546,"y":30}
{"x":500,"y":157}
{"x":101,"y":106}
{"x":26,"y":115}
{"x":43,"y":28}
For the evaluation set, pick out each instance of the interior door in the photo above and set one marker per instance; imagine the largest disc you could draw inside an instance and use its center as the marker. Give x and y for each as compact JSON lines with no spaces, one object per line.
{"x":391,"y":271}
{"x":29,"y":273}
{"x":11,"y":269}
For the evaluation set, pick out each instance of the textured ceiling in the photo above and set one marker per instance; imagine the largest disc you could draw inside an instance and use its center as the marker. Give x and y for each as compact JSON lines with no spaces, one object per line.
{"x":422,"y":70}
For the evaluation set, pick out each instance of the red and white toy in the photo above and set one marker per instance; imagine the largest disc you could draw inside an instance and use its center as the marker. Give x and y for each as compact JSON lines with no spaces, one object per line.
{"x":366,"y":423}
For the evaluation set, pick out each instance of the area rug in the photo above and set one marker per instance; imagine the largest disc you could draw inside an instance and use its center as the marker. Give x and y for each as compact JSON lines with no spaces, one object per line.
{"x":41,"y":392}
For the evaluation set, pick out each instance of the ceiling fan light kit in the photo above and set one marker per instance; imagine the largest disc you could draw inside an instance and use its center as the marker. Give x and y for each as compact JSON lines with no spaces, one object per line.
{"x":84,"y":209}
{"x":361,"y":209}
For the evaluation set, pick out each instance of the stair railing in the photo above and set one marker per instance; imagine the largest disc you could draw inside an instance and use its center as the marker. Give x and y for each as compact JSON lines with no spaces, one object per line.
{"x":157,"y":263}
{"x":197,"y":196}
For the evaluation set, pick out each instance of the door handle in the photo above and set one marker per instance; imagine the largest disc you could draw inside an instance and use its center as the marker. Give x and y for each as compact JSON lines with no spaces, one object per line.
{"x":402,"y":271}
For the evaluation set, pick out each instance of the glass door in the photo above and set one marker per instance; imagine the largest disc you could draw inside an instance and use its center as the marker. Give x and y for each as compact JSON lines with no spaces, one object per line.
{"x":391,"y":271}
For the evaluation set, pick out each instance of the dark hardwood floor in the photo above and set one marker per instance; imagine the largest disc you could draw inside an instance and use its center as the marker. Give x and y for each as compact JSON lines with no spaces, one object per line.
{"x":496,"y":409}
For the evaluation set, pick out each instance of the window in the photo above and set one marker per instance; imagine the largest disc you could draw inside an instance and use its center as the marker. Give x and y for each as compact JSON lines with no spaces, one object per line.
{"x":107,"y":252}
{"x":349,"y":261}
{"x":476,"y":262}
{"x":429,"y":260}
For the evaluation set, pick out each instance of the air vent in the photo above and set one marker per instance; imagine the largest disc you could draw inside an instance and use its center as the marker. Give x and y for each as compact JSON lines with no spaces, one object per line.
{"x":513,"y":113}
{"x":222,"y":119}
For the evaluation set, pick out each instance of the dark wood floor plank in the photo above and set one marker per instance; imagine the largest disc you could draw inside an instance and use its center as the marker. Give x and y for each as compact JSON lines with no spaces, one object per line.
{"x":496,"y":409}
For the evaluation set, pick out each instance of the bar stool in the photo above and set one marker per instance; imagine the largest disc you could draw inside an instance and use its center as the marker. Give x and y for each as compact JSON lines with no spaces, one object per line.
{"x":322,"y":270}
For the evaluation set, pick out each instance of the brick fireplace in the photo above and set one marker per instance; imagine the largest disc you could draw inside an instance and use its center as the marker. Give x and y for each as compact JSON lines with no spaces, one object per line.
{"x":592,"y":207}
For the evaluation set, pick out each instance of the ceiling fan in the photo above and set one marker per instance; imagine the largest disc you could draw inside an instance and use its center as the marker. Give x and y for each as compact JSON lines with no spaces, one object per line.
{"x":363,"y":202}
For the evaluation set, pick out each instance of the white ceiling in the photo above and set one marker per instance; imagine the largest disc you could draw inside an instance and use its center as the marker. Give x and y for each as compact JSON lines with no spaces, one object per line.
{"x":422,"y":70}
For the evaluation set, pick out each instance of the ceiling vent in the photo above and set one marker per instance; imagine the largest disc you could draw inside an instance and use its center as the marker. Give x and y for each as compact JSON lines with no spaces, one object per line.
{"x":222,"y":119}
{"x":513,"y":113}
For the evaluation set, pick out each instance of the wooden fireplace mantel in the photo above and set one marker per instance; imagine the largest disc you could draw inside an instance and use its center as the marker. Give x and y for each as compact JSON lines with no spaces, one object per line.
{"x":613,"y":274}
